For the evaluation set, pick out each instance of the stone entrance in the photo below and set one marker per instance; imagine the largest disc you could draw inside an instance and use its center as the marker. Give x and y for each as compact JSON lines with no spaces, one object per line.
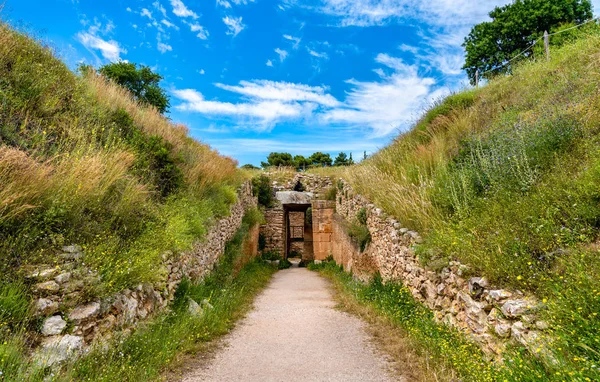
{"x":298,"y":225}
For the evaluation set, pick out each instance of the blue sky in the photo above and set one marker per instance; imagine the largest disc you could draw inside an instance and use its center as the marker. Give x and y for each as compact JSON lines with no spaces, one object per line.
{"x":250,"y":77}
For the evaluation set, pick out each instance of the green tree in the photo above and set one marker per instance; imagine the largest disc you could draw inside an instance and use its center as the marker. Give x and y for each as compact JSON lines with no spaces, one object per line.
{"x":250,"y":167}
{"x":141,"y":81}
{"x":514,"y":27}
{"x":341,"y":160}
{"x":350,"y":160}
{"x":279,"y":159}
{"x":320,"y":159}
{"x":301,"y":162}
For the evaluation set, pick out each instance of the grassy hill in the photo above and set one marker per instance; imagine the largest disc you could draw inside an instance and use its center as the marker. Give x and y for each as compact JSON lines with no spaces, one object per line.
{"x":506,"y":179}
{"x":81,"y":162}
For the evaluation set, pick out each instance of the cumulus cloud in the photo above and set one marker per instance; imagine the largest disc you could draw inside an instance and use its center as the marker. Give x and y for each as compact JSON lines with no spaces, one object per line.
{"x":282,"y":54}
{"x":264,"y":102}
{"x":388,"y":104}
{"x":163,"y":48}
{"x":295,"y":40}
{"x":110,"y":49}
{"x":269,"y":63}
{"x":379,"y":12}
{"x":202,"y":32}
{"x":316,"y":54}
{"x":385,"y":105}
{"x":234,"y":25}
{"x":180,"y":9}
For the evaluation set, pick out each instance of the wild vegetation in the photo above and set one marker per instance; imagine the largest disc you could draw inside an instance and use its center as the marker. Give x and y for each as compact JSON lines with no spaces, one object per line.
{"x":82,"y":161}
{"x":225,"y":295}
{"x":505,"y":178}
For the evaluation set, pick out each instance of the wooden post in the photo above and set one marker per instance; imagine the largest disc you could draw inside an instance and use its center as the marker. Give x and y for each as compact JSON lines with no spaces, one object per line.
{"x":477,"y":78}
{"x":547,"y":45}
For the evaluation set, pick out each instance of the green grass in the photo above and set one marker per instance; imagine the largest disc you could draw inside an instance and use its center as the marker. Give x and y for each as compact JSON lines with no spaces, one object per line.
{"x":153,"y":346}
{"x":441,"y":344}
{"x":506,"y":179}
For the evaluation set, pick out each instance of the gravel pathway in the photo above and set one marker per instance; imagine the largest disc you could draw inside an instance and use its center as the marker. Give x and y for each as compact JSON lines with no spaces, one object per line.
{"x":294,"y":333}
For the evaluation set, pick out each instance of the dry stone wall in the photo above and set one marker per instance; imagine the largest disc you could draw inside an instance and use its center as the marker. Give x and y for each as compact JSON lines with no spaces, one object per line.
{"x":491,"y":316}
{"x":59,"y":290}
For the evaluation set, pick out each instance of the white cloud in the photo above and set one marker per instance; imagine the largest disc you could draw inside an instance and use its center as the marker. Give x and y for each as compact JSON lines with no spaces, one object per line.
{"x":269,"y":63}
{"x":224,"y":3}
{"x":260,"y":115}
{"x":162,"y":47}
{"x":110,"y":50}
{"x":227,"y":4}
{"x":202,"y":71}
{"x":179,"y":9}
{"x":158,"y":6}
{"x":169,"y":24}
{"x":282,"y":54}
{"x":436,"y":12}
{"x":408,"y":48}
{"x":282,"y":91}
{"x":146,"y":13}
{"x":295,"y":40}
{"x":202,"y":32}
{"x":234,"y":25}
{"x":318,"y":54}
{"x":264,"y":104}
{"x":388,"y":104}
{"x":128,"y":9}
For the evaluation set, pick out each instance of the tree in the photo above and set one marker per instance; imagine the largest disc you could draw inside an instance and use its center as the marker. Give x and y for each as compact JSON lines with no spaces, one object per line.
{"x":301,"y":162}
{"x":365,"y":155}
{"x":279,"y":159}
{"x":141,"y":81}
{"x":350,"y":160}
{"x":250,"y":167}
{"x":514,"y":27}
{"x":320,"y":159}
{"x":341,"y":160}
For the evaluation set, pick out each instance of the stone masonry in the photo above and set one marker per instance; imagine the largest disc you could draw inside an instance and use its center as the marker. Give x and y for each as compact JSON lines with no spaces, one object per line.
{"x":59,"y":290}
{"x":491,"y":316}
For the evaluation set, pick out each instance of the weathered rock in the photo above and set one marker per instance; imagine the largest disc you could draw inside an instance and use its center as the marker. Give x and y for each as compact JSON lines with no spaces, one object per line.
{"x":206,"y":304}
{"x":57,"y":349}
{"x":502,"y":329}
{"x":516,"y":308}
{"x":85,"y":312}
{"x":518,"y":332}
{"x":45,"y":306}
{"x":499,"y":294}
{"x":193,"y":308}
{"x":48,"y":287}
{"x":63,"y":278}
{"x":542,"y":325}
{"x":53,"y":325}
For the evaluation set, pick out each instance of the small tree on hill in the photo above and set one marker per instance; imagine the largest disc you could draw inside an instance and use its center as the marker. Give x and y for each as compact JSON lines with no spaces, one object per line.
{"x":341,"y":160}
{"x":320,"y":159}
{"x":141,"y":81}
{"x":514,"y":27}
{"x":279,"y":159}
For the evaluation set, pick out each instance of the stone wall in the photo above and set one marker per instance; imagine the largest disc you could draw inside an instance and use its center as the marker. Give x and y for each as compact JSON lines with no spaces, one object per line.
{"x":59,"y":290}
{"x":322,"y":215}
{"x":274,"y":229}
{"x":318,"y":185}
{"x":491,"y":316}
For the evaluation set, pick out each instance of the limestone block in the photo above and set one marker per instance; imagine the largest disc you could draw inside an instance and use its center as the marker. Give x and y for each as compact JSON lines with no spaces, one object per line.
{"x":518,"y":307}
{"x":57,"y":349}
{"x":47,"y":287}
{"x":53,"y":325}
{"x":45,"y":306}
{"x":84,"y":312}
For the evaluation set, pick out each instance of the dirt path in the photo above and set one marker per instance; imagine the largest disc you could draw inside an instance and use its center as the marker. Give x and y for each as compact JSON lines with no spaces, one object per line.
{"x":294,"y":333}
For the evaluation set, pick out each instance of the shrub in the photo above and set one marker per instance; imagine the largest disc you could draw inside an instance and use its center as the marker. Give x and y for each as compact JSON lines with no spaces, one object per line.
{"x":361,"y":216}
{"x":360,"y":234}
{"x":271,"y":256}
{"x":261,"y":187}
{"x":284,"y":264}
{"x":331,"y":193}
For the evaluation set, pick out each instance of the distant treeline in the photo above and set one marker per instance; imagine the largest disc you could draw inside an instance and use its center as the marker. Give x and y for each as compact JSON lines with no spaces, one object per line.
{"x":317,"y":159}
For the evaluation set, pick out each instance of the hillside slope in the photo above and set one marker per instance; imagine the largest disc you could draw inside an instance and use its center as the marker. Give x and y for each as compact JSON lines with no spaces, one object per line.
{"x":81,"y":162}
{"x":506,"y":179}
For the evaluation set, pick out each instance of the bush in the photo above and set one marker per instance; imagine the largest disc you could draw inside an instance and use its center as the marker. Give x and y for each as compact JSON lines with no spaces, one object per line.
{"x":331,"y":193}
{"x":360,"y":234}
{"x":284,"y":264}
{"x":271,"y":256}
{"x":361,"y":216}
{"x":261,"y":187}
